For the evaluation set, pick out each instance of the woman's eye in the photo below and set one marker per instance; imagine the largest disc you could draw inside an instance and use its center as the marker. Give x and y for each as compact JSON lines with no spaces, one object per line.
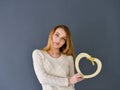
{"x":64,"y":39}
{"x":56,"y":35}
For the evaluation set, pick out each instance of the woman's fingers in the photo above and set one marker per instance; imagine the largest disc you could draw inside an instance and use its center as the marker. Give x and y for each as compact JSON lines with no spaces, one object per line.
{"x":75,"y":78}
{"x":80,"y":79}
{"x":79,"y":75}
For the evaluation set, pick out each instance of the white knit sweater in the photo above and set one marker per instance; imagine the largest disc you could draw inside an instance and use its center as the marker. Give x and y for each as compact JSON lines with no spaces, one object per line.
{"x":51,"y":72}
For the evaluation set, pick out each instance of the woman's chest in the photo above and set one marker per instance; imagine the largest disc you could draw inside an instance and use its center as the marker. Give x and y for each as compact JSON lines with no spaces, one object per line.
{"x":57,"y":68}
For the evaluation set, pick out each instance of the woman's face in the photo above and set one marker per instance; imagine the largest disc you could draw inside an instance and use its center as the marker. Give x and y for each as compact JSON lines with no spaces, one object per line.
{"x":59,"y":38}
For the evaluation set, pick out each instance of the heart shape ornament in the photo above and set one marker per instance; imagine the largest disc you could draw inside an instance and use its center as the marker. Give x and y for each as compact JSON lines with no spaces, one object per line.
{"x":98,"y":62}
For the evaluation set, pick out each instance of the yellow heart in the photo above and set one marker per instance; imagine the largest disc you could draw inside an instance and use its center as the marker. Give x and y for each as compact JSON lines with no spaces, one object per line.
{"x":98,"y":62}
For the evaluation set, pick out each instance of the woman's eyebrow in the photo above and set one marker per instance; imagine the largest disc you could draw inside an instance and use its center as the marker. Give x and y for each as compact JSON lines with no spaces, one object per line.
{"x":59,"y":34}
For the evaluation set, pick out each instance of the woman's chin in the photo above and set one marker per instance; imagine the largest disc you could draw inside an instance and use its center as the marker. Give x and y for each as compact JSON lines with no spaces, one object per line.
{"x":56,"y":47}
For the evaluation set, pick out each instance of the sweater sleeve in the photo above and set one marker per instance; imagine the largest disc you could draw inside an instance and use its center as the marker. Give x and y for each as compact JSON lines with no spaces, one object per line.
{"x":42,"y":75}
{"x":72,"y":69}
{"x":71,"y":65}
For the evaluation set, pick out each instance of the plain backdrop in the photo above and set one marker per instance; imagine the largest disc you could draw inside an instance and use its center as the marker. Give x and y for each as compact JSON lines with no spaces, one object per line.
{"x":25,"y":26}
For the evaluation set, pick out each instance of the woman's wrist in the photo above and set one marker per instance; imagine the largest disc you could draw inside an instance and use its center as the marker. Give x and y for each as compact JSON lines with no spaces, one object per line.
{"x":69,"y":83}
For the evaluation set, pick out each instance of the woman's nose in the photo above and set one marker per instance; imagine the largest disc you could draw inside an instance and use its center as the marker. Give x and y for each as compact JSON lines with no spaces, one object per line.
{"x":58,"y":40}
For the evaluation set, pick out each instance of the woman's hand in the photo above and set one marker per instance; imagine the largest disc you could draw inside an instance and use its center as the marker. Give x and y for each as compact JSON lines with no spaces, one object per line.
{"x":75,"y":78}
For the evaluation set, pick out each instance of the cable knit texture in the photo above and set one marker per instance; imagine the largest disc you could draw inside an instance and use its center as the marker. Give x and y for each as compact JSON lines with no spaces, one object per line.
{"x":51,"y":72}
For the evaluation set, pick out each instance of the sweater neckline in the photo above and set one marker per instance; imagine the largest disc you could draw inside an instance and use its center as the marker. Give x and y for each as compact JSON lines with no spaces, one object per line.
{"x":53,"y":58}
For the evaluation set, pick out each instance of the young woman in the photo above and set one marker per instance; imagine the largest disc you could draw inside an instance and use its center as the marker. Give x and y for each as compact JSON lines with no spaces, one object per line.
{"x":54,"y":65}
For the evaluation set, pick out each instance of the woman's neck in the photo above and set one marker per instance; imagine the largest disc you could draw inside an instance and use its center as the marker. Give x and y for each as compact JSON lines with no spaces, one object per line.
{"x":54,"y":53}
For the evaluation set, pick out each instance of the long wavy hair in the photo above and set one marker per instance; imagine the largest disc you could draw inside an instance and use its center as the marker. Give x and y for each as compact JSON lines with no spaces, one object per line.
{"x":67,"y":48}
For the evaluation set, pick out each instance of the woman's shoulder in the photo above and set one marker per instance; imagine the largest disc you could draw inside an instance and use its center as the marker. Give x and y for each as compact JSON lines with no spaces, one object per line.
{"x":69,"y":57}
{"x":37,"y":52}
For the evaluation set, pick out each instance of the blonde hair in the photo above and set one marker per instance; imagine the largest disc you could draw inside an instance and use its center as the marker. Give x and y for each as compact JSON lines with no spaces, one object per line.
{"x":67,"y":48}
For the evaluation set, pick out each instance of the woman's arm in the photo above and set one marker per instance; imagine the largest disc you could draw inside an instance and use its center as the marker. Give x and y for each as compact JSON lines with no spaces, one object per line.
{"x":71,"y":64}
{"x":42,"y":75}
{"x":74,"y":78}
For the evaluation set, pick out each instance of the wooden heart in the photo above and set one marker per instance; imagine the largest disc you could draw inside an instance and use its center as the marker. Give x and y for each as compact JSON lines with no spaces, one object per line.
{"x":98,"y":62}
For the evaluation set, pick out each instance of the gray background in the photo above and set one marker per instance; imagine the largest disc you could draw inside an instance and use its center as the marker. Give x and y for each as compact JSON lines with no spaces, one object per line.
{"x":25,"y":25}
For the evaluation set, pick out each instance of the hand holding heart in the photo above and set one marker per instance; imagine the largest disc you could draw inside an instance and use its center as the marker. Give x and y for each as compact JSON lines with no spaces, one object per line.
{"x":75,"y":78}
{"x":98,"y":62}
{"x":80,"y":76}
